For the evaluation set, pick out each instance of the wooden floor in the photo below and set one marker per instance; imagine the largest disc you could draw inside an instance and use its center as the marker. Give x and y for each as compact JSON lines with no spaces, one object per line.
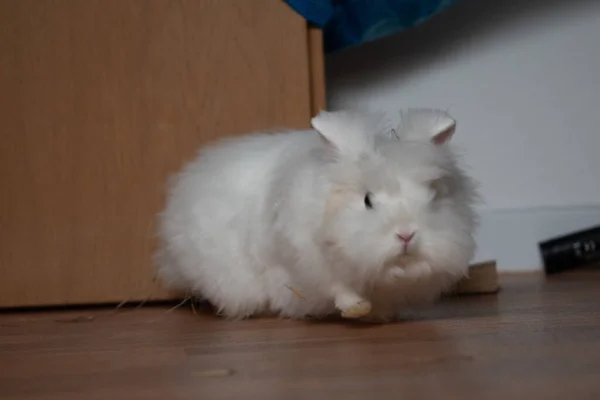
{"x":536,"y":339}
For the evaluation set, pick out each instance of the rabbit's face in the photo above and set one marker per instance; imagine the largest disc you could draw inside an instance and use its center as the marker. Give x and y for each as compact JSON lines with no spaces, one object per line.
{"x":405,"y":201}
{"x":397,"y":200}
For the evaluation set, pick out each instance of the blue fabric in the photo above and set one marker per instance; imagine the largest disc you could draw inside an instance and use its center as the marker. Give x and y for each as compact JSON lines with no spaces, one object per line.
{"x":348,"y":23}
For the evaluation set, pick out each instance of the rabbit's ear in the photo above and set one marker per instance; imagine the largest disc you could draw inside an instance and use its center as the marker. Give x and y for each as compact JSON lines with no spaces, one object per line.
{"x":430,"y":124}
{"x":346,"y":131}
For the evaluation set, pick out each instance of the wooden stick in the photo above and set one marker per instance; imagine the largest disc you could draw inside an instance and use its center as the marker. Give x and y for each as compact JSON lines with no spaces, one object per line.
{"x":482,"y":279}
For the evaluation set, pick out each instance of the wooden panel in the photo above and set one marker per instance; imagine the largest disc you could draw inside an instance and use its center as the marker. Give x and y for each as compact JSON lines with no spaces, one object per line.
{"x":100,"y":101}
{"x":317,"y":70}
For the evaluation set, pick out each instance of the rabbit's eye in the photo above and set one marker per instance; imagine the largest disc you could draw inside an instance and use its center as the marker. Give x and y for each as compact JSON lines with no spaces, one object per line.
{"x":438,"y":188}
{"x":368,"y":202}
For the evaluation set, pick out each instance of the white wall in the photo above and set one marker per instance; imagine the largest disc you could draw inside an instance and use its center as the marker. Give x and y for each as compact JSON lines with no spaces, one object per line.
{"x":523,"y":81}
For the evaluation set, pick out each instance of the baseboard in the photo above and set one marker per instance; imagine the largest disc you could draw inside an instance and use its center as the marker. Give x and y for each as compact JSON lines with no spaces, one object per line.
{"x":511,"y":237}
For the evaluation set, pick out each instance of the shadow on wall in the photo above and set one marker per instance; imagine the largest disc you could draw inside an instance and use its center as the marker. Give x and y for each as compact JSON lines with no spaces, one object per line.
{"x":465,"y":24}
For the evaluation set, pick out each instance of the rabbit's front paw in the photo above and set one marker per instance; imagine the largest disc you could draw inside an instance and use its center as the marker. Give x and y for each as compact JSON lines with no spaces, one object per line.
{"x":359,"y":309}
{"x":350,"y":304}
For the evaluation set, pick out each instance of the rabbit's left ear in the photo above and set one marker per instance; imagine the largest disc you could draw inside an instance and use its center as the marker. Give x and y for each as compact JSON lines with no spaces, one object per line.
{"x":344,"y":131}
{"x":431,"y":124}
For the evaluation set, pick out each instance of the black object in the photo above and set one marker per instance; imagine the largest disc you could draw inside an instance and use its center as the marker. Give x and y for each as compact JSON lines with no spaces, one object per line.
{"x":575,"y":250}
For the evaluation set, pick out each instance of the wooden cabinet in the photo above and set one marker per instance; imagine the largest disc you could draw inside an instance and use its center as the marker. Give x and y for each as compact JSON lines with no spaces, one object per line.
{"x":100,"y":100}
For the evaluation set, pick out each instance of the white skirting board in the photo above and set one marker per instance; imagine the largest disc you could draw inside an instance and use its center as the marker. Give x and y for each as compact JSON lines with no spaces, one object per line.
{"x":511,"y":236}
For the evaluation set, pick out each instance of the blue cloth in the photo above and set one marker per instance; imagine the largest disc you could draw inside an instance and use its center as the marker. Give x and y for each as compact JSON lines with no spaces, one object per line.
{"x":348,"y":23}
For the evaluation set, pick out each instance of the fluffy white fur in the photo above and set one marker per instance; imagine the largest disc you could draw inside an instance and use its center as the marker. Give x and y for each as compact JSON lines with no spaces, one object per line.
{"x":254,"y":221}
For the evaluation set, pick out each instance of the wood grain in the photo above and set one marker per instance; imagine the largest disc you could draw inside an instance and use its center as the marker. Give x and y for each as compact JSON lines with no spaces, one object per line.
{"x":101,"y":100}
{"x":536,"y":339}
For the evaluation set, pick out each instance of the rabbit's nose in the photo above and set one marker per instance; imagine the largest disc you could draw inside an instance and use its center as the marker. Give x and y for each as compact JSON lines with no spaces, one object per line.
{"x":405,"y":237}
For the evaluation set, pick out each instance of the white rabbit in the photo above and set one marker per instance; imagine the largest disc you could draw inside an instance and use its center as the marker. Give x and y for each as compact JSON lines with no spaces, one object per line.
{"x":344,"y":218}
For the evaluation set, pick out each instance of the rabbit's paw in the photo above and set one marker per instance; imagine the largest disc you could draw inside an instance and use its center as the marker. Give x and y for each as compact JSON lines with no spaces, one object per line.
{"x":357,"y":310}
{"x":350,"y":304}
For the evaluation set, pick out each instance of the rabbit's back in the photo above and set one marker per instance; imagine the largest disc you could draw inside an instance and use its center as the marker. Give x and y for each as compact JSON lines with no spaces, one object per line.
{"x":214,"y":232}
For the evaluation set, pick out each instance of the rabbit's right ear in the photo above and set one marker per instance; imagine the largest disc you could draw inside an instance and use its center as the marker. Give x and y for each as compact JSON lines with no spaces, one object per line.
{"x":344,"y":131}
{"x":434,"y":125}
